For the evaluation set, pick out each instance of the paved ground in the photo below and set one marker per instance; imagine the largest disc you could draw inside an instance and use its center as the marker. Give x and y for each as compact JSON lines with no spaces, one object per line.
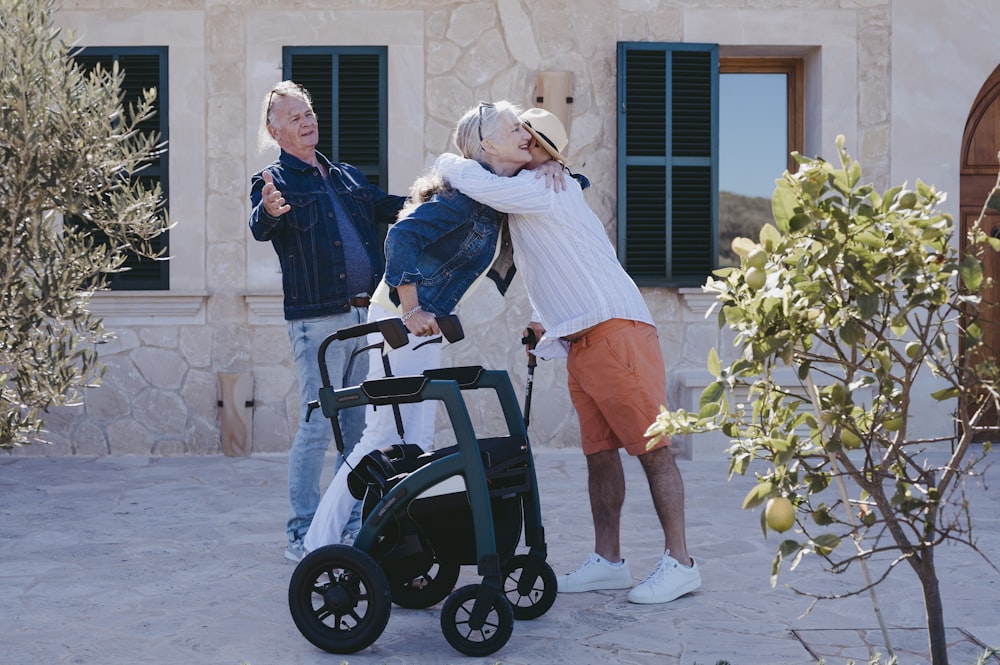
{"x":126,"y":560}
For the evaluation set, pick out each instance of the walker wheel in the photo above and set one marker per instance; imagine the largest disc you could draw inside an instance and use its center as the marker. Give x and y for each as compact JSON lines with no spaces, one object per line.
{"x":482,"y":641}
{"x":339,"y":599}
{"x":535,"y":600}
{"x":428,"y":588}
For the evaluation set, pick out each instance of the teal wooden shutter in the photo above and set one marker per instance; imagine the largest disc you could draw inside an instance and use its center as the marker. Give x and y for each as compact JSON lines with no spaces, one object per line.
{"x":348,"y":88}
{"x":668,"y":162}
{"x":144,"y":67}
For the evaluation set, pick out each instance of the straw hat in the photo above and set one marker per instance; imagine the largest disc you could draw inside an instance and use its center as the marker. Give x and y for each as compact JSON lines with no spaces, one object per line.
{"x":547,"y":130}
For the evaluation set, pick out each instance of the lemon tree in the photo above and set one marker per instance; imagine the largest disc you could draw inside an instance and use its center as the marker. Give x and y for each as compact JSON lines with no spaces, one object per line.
{"x":862,"y":293}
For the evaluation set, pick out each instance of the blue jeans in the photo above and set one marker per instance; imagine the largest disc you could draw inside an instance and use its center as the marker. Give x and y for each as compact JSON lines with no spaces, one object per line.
{"x":334,"y":516}
{"x":305,"y":461}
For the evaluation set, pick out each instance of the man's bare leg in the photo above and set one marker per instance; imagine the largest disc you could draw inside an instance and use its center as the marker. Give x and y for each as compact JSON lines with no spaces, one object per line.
{"x":667,"y":488}
{"x":606,"y":483}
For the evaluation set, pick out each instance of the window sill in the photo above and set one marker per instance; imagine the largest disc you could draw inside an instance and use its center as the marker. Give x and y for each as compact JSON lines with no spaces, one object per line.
{"x":265,"y":308}
{"x":698,"y":300}
{"x":149,"y":308}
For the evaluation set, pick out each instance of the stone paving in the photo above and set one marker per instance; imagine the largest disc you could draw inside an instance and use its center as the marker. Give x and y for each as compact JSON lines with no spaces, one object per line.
{"x":167,"y":560}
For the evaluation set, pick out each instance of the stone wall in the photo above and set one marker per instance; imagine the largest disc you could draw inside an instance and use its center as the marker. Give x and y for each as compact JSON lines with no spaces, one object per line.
{"x":159,"y":395}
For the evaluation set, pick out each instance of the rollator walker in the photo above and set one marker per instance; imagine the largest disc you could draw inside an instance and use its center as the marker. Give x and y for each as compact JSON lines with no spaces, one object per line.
{"x":418,"y":529}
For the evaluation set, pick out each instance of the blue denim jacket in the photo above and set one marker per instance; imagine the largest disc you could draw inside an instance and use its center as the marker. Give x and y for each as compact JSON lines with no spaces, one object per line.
{"x":443,"y":246}
{"x":307,"y":238}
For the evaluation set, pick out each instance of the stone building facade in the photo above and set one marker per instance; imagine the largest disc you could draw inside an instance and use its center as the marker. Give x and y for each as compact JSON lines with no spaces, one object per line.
{"x":898,"y":85}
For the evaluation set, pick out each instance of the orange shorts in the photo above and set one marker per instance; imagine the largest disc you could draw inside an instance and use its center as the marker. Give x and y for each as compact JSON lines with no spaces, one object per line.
{"x":617,"y":382}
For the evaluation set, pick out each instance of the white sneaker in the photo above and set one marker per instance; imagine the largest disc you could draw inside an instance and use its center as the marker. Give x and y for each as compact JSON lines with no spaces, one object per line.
{"x":295,"y":550}
{"x":595,"y":574}
{"x":668,"y":581}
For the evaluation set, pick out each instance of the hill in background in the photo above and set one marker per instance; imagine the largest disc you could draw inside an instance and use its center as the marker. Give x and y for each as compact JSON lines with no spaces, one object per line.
{"x":740,"y":216}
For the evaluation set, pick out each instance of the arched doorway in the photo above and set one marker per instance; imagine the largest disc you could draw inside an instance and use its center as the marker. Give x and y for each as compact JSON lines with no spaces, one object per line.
{"x":978,"y":176}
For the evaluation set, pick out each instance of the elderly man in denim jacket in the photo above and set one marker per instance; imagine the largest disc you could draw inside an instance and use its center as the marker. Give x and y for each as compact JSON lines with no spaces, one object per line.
{"x":322,"y":220}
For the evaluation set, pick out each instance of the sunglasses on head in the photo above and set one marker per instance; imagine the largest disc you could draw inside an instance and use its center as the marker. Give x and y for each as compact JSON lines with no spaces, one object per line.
{"x":483,"y":105}
{"x":274,"y":91}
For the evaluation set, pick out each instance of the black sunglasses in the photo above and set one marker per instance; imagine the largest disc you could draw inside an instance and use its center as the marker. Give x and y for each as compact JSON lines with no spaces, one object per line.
{"x":483,"y":105}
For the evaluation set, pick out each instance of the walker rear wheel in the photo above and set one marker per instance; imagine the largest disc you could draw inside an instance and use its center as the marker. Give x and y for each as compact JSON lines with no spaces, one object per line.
{"x":339,"y":599}
{"x":427,"y":589}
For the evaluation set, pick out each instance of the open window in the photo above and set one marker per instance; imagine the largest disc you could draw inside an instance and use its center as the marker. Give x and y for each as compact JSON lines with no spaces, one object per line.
{"x":682,"y":114}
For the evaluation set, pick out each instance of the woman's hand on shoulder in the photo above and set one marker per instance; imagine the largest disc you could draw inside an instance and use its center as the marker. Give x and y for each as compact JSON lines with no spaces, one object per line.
{"x":554,"y":173}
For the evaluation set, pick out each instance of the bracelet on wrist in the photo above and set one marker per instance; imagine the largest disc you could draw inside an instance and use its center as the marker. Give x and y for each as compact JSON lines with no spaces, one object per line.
{"x":406,"y":317}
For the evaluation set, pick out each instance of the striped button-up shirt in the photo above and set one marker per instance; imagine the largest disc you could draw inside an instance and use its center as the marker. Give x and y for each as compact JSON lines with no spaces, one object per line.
{"x":570,"y":269}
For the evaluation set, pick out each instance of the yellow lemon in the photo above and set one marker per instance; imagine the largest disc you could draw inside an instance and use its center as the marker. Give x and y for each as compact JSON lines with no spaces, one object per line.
{"x":908,"y":200}
{"x":757,"y":258}
{"x":779,"y":513}
{"x":756,"y":278}
{"x":849,"y":439}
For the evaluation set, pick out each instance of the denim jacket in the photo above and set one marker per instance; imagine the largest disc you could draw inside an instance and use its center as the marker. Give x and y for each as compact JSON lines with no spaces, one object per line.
{"x":443,"y":246}
{"x":307,"y":238}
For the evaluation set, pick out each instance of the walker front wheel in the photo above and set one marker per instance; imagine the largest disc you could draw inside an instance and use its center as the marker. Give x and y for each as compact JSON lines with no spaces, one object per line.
{"x":528,"y":600}
{"x":484,"y":640}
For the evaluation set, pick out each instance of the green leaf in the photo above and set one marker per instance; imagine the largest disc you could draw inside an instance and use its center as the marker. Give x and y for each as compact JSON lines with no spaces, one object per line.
{"x":971,"y":271}
{"x":712,"y":394}
{"x":868,"y":305}
{"x":854,"y":173}
{"x":769,"y":237}
{"x":783,"y":204}
{"x":826,"y":543}
{"x":946,"y":393}
{"x":757,"y":495}
{"x":709,"y":411}
{"x":899,"y":325}
{"x":788,"y":547}
{"x":742,"y":246}
{"x":973,"y":333}
{"x":822,"y":516}
{"x":802,"y":371}
{"x":852,"y":333}
{"x":798,"y":223}
{"x":714,"y":364}
{"x":817,"y":482}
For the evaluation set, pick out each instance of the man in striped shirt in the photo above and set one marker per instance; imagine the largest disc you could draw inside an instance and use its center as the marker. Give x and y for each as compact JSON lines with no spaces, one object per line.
{"x":587,"y":309}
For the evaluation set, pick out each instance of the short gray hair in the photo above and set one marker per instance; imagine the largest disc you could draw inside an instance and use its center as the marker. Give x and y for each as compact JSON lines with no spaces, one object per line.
{"x":265,"y":141}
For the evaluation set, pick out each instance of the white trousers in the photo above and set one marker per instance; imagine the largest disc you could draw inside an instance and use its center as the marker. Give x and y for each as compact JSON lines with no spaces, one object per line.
{"x":335,"y":507}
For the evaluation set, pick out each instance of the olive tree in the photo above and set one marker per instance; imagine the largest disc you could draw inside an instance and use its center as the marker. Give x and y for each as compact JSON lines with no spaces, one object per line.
{"x":71,"y":211}
{"x":856,"y":296}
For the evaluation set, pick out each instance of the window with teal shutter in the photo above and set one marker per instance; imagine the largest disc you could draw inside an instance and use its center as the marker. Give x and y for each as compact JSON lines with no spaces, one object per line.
{"x":348,"y":89}
{"x":144,"y":67}
{"x":668,"y":162}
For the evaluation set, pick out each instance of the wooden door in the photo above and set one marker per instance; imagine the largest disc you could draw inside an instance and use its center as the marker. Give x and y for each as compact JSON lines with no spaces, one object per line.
{"x":979,"y":166}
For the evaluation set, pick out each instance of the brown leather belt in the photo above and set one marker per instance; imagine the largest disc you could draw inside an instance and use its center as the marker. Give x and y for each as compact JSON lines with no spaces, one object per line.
{"x":360,"y":301}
